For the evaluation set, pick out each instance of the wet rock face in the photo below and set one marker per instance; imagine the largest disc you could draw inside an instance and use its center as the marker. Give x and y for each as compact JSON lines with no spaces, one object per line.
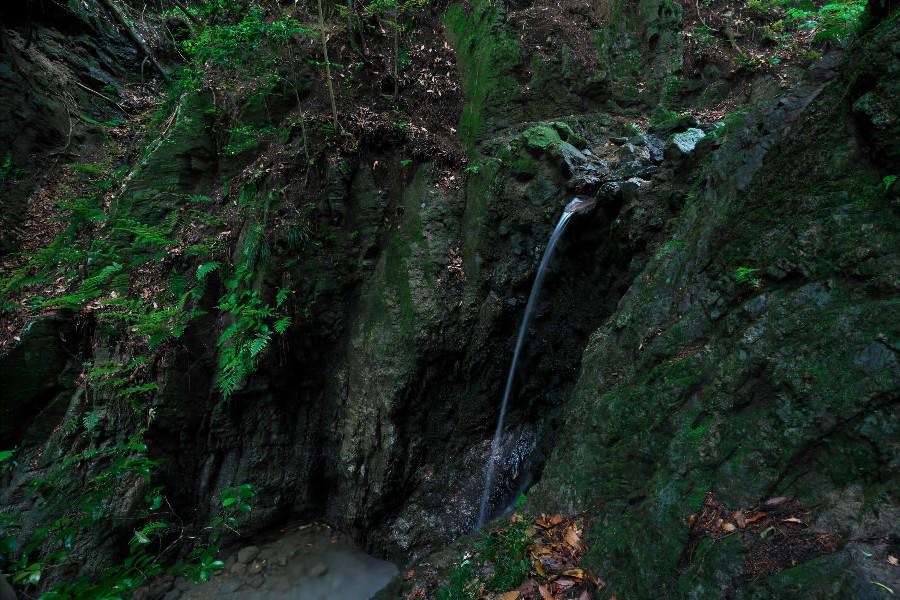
{"x":39,"y":378}
{"x":752,"y":359}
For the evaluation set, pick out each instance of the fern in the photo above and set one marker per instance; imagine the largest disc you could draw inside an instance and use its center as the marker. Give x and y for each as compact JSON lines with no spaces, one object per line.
{"x":297,"y":236}
{"x":258,"y":344}
{"x":205,"y":269}
{"x":282,"y":325}
{"x":242,"y":342}
{"x":281,"y":296}
{"x":92,"y":419}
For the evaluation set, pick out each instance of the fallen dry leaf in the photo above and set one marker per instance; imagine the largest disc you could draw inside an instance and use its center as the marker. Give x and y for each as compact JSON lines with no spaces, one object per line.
{"x":584,"y":595}
{"x":572,"y":538}
{"x":756,"y":517}
{"x":545,"y":593}
{"x":510,"y":595}
{"x":575,"y":573}
{"x":728,"y":527}
{"x":792,"y":520}
{"x":892,"y":560}
{"x":539,"y":568}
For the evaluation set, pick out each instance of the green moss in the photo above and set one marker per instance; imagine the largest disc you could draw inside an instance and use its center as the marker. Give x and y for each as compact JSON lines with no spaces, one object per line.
{"x":541,"y":137}
{"x":479,"y":196}
{"x":487,"y":55}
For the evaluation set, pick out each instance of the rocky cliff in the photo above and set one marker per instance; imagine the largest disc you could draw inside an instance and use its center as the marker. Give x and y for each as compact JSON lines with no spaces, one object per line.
{"x":717,"y":338}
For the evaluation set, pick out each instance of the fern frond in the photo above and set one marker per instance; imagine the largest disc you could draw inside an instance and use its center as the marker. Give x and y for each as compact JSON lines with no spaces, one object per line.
{"x":258,"y":344}
{"x":282,"y":325}
{"x":205,"y":269}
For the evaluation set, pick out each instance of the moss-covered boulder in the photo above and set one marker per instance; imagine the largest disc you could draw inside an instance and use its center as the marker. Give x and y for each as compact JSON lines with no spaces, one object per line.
{"x":756,"y":358}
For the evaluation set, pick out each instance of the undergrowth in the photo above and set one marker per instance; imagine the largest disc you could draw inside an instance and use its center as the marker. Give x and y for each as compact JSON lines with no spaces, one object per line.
{"x":499,"y":563}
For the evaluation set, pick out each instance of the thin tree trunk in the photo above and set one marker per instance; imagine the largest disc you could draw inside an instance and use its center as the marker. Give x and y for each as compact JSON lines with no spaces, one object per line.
{"x":184,"y":9}
{"x":135,"y":37}
{"x":396,"y":50}
{"x":327,"y":67}
{"x":302,"y":123}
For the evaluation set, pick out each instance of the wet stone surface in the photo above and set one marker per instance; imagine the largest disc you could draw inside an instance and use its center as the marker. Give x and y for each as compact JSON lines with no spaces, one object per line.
{"x":310,"y":562}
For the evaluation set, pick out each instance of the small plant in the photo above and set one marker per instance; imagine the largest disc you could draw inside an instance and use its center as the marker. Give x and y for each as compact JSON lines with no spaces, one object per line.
{"x":669,"y":247}
{"x":633,"y":129}
{"x":243,"y":342}
{"x":5,"y":168}
{"x":888,"y":182}
{"x":506,"y":548}
{"x":297,"y":236}
{"x":745,"y":275}
{"x":748,"y":62}
{"x":461,"y":583}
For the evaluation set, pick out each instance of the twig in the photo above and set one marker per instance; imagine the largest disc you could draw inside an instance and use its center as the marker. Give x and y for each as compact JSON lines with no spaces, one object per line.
{"x":184,"y":9}
{"x":107,"y":98}
{"x":699,"y":16}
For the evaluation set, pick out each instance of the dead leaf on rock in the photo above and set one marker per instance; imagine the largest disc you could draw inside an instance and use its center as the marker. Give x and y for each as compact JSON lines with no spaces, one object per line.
{"x":545,"y":593}
{"x":892,"y":560}
{"x":756,"y":517}
{"x":572,"y":538}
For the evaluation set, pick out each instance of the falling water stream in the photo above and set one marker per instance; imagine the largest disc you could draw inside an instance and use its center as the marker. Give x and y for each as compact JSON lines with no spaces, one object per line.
{"x":575,"y":206}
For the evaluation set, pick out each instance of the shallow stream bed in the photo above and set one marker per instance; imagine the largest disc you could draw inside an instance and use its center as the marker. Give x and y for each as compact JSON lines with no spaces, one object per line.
{"x":307,"y":562}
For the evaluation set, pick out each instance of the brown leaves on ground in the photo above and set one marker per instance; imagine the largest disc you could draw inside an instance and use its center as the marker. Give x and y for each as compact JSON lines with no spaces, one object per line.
{"x":556,"y":572}
{"x":776,"y":533}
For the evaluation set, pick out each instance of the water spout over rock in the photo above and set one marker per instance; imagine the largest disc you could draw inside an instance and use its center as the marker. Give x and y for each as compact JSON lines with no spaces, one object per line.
{"x":578,"y":205}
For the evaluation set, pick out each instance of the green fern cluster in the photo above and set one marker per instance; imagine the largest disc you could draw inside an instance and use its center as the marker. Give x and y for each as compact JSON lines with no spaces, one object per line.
{"x":247,"y":337}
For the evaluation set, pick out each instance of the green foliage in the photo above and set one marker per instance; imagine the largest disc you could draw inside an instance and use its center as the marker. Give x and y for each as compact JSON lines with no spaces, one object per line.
{"x":205,"y":269}
{"x":240,"y":43}
{"x":90,"y":505}
{"x":6,"y":461}
{"x":245,"y":137}
{"x":504,"y":548}
{"x":888,"y":182}
{"x":297,"y":236}
{"x":748,"y":62}
{"x":7,"y":172}
{"x":834,"y":21}
{"x":669,"y":248}
{"x":663,"y":118}
{"x":109,"y":123}
{"x":745,"y":275}
{"x":461,"y":584}
{"x":507,"y":549}
{"x":253,"y":322}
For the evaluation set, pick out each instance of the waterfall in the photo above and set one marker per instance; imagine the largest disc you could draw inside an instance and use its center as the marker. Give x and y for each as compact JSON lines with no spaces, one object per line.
{"x":575,"y":206}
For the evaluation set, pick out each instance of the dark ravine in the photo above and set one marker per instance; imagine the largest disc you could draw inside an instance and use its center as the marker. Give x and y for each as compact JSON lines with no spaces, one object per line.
{"x":720,"y":330}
